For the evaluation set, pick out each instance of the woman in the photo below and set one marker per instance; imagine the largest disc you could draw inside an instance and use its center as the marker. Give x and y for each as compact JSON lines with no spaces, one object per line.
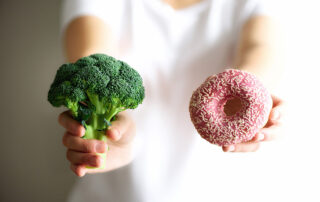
{"x":174,"y":45}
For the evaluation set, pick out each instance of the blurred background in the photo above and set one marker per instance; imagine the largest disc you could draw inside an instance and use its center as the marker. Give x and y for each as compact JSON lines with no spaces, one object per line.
{"x":33,"y":164}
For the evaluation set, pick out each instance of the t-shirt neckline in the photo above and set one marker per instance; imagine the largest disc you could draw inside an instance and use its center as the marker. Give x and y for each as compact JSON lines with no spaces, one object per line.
{"x":194,"y":9}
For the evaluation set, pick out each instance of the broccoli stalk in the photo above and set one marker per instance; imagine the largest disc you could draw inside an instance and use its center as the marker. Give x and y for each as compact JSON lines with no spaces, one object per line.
{"x":95,"y":89}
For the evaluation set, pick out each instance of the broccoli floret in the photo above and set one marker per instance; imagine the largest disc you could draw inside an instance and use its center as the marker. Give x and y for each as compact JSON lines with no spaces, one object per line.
{"x":95,"y":89}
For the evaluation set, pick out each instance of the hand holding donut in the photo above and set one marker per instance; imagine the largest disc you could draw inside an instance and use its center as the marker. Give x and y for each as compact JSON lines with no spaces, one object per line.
{"x":234,"y":110}
{"x":271,"y":131}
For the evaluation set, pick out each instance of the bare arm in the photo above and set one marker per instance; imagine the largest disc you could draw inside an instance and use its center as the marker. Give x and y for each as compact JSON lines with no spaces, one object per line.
{"x":259,"y":52}
{"x":84,"y":36}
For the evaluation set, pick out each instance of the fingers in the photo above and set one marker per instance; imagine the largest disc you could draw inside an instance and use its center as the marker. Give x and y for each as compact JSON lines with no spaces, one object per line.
{"x":242,"y":147}
{"x":79,"y":170}
{"x":276,"y":116}
{"x":264,"y":134}
{"x":82,"y":145}
{"x":277,"y":111}
{"x":119,"y":127}
{"x":276,"y":101}
{"x":79,"y":158}
{"x":273,"y":132}
{"x":275,"y":126}
{"x":75,"y":128}
{"x":82,"y":152}
{"x":250,"y":146}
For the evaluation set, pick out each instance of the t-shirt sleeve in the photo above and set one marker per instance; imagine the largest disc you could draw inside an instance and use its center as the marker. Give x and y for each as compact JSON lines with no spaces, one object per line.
{"x":105,"y":10}
{"x":270,"y":8}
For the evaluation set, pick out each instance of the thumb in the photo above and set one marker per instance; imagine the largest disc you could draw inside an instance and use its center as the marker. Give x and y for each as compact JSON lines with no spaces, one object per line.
{"x":278,"y":111}
{"x":121,"y":128}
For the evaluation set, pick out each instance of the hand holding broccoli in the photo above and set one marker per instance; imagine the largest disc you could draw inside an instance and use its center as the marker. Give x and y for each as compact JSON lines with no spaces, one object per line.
{"x":82,"y":152}
{"x":95,"y":89}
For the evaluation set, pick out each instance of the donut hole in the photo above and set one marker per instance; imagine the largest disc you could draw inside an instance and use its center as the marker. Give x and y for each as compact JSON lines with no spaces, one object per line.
{"x":232,"y":106}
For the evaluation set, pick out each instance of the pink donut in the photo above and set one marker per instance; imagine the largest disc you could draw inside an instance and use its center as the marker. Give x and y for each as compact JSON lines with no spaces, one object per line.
{"x":208,"y":101}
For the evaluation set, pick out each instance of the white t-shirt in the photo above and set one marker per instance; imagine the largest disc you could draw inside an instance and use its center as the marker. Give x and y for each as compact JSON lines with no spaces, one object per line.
{"x":174,"y":51}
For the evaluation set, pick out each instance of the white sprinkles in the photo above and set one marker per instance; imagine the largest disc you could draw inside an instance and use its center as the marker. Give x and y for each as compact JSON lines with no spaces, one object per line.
{"x":207,"y":103}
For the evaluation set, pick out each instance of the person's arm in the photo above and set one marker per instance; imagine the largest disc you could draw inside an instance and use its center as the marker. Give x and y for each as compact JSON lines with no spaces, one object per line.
{"x":82,"y":37}
{"x":87,"y":35}
{"x":260,"y":52}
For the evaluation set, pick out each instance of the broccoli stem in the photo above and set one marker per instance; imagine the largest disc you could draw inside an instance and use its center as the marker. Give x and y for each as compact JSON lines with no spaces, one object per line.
{"x":114,"y":111}
{"x":95,"y":127}
{"x":94,"y":130}
{"x":99,"y":106}
{"x":73,"y":106}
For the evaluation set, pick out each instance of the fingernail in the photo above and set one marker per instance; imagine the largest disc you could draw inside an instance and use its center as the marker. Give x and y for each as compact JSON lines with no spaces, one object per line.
{"x":260,"y":136}
{"x":81,"y":173}
{"x":82,"y":132}
{"x":101,"y":147}
{"x":231,"y":148}
{"x":275,"y":115}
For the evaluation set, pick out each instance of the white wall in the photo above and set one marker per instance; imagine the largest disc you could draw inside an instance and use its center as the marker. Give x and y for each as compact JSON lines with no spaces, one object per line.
{"x":33,"y":165}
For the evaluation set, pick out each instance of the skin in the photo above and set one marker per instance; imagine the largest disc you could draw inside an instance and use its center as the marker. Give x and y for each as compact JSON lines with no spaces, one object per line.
{"x":271,"y":131}
{"x":81,"y":152}
{"x":87,"y":35}
{"x":181,"y":4}
{"x":260,"y":52}
{"x":84,"y":36}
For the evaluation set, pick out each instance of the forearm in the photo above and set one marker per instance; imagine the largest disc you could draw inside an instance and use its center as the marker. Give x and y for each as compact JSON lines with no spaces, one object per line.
{"x":84,"y":36}
{"x":87,"y":35}
{"x":260,"y":51}
{"x":261,"y":62}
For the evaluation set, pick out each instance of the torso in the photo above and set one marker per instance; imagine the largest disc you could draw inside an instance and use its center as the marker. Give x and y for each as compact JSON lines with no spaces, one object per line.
{"x":174,"y":50}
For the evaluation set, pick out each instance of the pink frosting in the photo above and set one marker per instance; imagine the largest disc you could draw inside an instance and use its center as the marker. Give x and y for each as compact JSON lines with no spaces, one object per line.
{"x":207,"y":104}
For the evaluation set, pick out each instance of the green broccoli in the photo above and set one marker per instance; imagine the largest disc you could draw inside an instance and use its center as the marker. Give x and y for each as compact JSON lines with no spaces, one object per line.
{"x":95,"y":89}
